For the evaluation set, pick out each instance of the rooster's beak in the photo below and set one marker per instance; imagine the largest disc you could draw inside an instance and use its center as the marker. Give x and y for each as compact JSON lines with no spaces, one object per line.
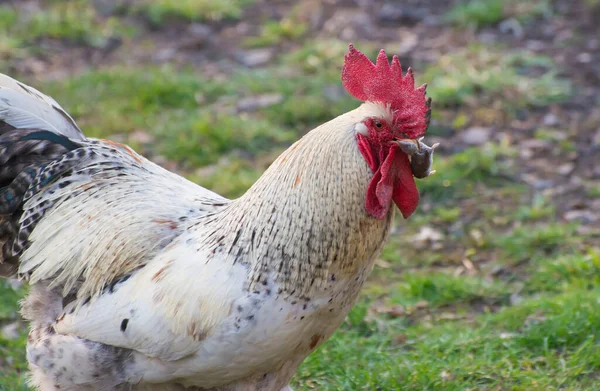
{"x":409,"y":146}
{"x":421,"y":156}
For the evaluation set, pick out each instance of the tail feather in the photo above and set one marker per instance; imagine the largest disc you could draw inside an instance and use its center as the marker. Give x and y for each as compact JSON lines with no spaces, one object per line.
{"x":24,"y":107}
{"x":34,"y":165}
{"x":35,"y":135}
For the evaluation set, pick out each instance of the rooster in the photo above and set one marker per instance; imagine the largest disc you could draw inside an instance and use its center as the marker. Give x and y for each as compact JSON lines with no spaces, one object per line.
{"x":142,"y":280}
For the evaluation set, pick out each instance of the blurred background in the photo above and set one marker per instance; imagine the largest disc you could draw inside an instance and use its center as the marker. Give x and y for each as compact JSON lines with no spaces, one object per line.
{"x":493,"y":284}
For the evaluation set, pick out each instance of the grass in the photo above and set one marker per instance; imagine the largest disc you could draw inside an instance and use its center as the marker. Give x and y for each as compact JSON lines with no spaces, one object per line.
{"x":477,"y":13}
{"x":232,"y":176}
{"x":158,"y":12}
{"x":560,"y":274}
{"x":592,"y":3}
{"x":9,"y":44}
{"x":529,"y":241}
{"x":593,"y":191}
{"x":462,"y":174}
{"x":275,"y":32}
{"x":439,"y":289}
{"x":543,"y":343}
{"x":198,"y":143}
{"x":166,"y":105}
{"x":470,"y":336}
{"x":74,"y":21}
{"x":483,"y":13}
{"x":539,"y":209}
{"x":12,"y":352}
{"x":181,"y":105}
{"x":480,"y":75}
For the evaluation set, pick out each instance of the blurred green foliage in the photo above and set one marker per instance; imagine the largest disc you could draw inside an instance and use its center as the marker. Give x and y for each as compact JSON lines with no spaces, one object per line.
{"x":74,"y":20}
{"x":480,"y":75}
{"x":160,"y":11}
{"x":483,"y":13}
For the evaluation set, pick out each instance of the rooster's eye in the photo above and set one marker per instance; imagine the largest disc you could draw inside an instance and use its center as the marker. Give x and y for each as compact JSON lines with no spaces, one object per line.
{"x":378,"y":124}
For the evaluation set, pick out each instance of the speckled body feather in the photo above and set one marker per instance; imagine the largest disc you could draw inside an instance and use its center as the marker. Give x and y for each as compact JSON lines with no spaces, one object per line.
{"x":142,"y":280}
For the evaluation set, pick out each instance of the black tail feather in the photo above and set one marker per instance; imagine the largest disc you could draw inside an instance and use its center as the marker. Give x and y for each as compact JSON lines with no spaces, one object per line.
{"x":25,"y":155}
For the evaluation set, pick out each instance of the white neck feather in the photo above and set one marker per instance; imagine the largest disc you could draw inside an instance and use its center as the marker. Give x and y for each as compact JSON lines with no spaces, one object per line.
{"x":304,"y":220}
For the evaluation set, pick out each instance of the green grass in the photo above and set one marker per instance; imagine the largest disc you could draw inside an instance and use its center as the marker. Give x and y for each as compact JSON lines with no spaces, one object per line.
{"x":13,"y":365}
{"x":531,"y":241}
{"x":75,"y":21}
{"x":482,"y":13}
{"x":275,"y":32}
{"x":198,"y":142}
{"x":462,"y":174}
{"x":480,"y":75}
{"x":543,"y":343}
{"x":548,"y":340}
{"x":232,"y":177}
{"x":593,"y":191}
{"x":539,"y":209}
{"x":567,"y":271}
{"x":10,"y":45}
{"x":477,"y":13}
{"x":8,"y":301}
{"x":12,"y":352}
{"x":439,"y":289}
{"x":159,"y":12}
{"x":592,"y":3}
{"x":195,"y":119}
{"x":166,"y":104}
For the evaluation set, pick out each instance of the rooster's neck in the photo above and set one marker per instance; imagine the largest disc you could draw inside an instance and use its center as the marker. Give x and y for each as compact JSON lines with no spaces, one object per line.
{"x":304,"y":221}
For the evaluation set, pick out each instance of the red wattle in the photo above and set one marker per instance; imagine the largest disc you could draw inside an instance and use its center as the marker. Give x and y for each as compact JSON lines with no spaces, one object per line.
{"x":372,"y":204}
{"x":385,"y":187}
{"x":406,"y":194}
{"x":392,"y":179}
{"x":365,"y":148}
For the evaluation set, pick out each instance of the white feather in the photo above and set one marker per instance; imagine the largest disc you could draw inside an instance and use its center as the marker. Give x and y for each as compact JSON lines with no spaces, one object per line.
{"x":167,"y":316}
{"x":24,"y":107}
{"x":108,"y":229}
{"x":198,"y":323}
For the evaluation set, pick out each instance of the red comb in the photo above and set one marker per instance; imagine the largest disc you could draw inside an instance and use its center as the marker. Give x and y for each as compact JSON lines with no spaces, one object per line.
{"x":384,"y":84}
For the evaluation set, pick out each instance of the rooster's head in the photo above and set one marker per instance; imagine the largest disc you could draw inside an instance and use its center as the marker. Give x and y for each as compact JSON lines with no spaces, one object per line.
{"x":398,"y":112}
